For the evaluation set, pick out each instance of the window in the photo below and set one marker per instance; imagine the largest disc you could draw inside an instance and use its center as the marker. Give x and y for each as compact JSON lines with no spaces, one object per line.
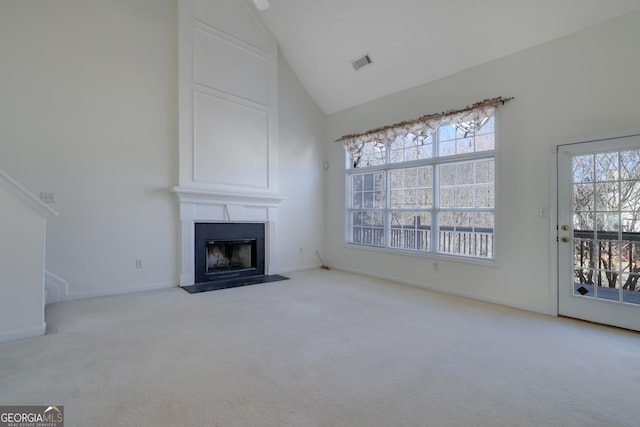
{"x":432,"y":192}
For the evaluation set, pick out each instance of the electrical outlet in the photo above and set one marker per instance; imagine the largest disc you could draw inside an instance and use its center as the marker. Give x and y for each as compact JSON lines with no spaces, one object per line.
{"x":138,"y":263}
{"x":301,"y":250}
{"x":435,"y":266}
{"x":48,"y":197}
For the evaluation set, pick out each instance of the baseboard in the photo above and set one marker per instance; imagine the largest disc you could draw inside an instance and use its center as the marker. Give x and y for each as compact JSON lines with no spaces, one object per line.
{"x":23,"y":334}
{"x":442,"y":290}
{"x":120,"y":291}
{"x":299,"y":268}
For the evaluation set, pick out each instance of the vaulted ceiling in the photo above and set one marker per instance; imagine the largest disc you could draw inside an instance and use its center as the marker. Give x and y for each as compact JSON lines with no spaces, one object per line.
{"x":412,"y":42}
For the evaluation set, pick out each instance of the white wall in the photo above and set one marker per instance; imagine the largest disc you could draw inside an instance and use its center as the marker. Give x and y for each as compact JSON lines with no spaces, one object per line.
{"x":302,"y":130}
{"x":582,"y":85}
{"x":21,"y":268}
{"x":89,"y":111}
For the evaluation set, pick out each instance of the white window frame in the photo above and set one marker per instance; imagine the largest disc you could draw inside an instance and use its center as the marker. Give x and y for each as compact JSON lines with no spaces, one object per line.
{"x":435,"y":161}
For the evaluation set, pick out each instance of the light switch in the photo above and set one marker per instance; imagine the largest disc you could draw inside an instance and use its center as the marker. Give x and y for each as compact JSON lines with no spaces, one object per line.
{"x":542,"y":212}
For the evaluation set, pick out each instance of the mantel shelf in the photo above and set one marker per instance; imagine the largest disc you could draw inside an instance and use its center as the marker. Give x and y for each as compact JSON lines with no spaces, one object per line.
{"x":204,"y":196}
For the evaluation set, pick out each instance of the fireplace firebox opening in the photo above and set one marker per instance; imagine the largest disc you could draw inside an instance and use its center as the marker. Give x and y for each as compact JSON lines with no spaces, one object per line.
{"x":228,"y":250}
{"x":230,"y":255}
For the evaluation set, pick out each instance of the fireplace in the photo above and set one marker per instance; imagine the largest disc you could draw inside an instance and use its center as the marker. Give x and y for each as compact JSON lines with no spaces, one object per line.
{"x":214,"y":208}
{"x":225,"y":251}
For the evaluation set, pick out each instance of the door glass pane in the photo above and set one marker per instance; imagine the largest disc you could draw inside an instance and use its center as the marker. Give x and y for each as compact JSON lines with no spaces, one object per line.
{"x":631,"y":268}
{"x":584,"y":222}
{"x":607,"y":166}
{"x":607,"y":196}
{"x":630,"y":165}
{"x":606,"y":225}
{"x":583,"y":169}
{"x":583,"y":197}
{"x":583,"y":289}
{"x":630,"y":200}
{"x":629,"y":222}
{"x":630,"y":291}
{"x":608,"y":267}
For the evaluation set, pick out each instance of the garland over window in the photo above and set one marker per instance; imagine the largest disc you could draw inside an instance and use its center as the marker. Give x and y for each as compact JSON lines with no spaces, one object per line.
{"x":467,"y":119}
{"x":426,"y":185}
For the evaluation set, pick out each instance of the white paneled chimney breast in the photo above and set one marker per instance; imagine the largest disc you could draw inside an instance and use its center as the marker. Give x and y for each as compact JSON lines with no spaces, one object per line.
{"x":228,"y":122}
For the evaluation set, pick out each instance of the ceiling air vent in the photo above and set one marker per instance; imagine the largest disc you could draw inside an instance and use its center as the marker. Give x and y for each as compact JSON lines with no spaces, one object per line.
{"x":361,"y":62}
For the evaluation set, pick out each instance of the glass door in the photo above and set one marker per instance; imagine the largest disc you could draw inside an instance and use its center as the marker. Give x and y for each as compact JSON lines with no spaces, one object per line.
{"x":599,"y":231}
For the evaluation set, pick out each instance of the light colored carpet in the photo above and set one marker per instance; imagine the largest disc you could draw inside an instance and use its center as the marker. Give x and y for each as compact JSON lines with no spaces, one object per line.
{"x":322,"y":349}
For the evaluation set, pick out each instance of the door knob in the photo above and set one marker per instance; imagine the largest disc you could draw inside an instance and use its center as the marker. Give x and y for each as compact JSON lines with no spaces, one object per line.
{"x":564,"y":239}
{"x":564,"y":228}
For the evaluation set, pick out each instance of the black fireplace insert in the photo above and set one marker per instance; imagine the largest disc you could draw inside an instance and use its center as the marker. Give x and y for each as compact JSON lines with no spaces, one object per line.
{"x":225,"y":251}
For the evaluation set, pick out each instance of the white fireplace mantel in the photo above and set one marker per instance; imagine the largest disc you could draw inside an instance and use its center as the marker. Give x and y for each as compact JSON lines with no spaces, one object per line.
{"x":208,"y":196}
{"x":203,"y":205}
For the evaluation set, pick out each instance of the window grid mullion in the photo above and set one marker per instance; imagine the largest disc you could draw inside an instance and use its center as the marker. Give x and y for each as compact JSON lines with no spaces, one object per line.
{"x":475,"y":204}
{"x":435,"y":216}
{"x":387,"y":206}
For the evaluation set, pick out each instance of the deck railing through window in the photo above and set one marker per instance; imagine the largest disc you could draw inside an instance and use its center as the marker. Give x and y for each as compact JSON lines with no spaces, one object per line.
{"x":601,"y":261}
{"x":476,"y":242}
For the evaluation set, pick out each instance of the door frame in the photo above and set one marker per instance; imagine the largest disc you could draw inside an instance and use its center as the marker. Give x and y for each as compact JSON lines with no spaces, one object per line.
{"x":554,"y":280}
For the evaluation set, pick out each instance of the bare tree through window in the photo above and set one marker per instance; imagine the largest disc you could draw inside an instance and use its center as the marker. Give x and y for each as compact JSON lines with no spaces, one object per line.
{"x":606,"y":221}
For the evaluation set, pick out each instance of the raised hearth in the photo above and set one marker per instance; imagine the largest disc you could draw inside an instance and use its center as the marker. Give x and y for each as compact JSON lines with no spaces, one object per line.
{"x":232,"y":283}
